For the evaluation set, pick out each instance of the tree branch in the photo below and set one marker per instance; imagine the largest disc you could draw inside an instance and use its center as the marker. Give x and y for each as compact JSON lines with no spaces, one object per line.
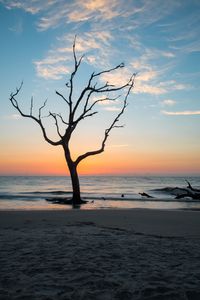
{"x":109,"y":70}
{"x":102,"y":100}
{"x":37,"y":120}
{"x":94,"y":89}
{"x":56,"y":123}
{"x":76,"y":66}
{"x":61,"y":95}
{"x":86,"y":110}
{"x":87,"y":107}
{"x":40,"y":109}
{"x":113,"y":125}
{"x":31,"y":109}
{"x":59,"y":115}
{"x":87,"y":88}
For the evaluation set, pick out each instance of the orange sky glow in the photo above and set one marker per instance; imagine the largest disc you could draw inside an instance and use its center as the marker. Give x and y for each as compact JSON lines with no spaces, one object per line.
{"x":157,"y":41}
{"x":49,"y":162}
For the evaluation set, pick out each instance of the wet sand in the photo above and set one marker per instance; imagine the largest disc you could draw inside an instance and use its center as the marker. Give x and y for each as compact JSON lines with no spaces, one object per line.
{"x":100,"y":254}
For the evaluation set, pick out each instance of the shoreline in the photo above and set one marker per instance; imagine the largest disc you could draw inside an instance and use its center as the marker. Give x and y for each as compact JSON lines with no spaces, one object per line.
{"x":147,"y":221}
{"x":103,"y":204}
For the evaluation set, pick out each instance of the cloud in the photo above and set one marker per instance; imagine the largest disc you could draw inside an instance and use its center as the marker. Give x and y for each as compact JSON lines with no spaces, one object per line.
{"x":168,"y":102}
{"x":112,"y":108}
{"x":53,"y":13}
{"x":148,"y":79}
{"x":85,"y":42}
{"x":149,"y":89}
{"x":168,"y":54}
{"x":181,"y":86}
{"x":12,"y":117}
{"x":30,"y":6}
{"x":78,"y":11}
{"x":97,"y":9}
{"x":181,"y":113}
{"x":50,"y":71}
{"x":147,"y":76}
{"x":94,"y":45}
{"x":18,"y":27}
{"x":173,"y":85}
{"x":101,"y":24}
{"x":144,"y":82}
{"x":118,"y":77}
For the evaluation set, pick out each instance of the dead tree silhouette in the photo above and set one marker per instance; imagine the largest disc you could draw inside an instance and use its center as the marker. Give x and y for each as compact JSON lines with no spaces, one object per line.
{"x":87,"y":110}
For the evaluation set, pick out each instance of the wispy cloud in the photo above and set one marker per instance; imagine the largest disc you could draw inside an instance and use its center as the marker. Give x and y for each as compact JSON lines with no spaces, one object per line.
{"x":31,"y":6}
{"x":96,"y":9}
{"x":151,"y":77}
{"x":149,"y":89}
{"x":168,"y":54}
{"x":12,"y":117}
{"x":18,"y":27}
{"x":118,"y":77}
{"x":173,"y":85}
{"x":79,"y":11}
{"x":147,"y":81}
{"x":181,"y":113}
{"x":112,"y":108}
{"x":147,"y":75}
{"x":50,"y":71}
{"x":56,"y":12}
{"x":168,"y":102}
{"x":100,"y":24}
{"x":94,"y":45}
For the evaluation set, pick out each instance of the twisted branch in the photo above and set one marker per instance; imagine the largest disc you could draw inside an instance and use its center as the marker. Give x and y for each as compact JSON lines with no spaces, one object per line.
{"x":108,"y":130}
{"x":37,"y":120}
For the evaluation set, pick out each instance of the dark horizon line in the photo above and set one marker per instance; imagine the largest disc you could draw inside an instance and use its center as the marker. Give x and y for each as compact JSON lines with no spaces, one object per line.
{"x":107,"y":174}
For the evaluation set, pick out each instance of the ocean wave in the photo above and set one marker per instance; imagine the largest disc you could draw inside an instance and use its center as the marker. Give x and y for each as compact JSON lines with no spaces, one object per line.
{"x":60,"y":197}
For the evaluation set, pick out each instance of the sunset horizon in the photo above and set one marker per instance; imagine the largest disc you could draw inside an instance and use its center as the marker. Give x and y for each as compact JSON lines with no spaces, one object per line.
{"x":160,"y":124}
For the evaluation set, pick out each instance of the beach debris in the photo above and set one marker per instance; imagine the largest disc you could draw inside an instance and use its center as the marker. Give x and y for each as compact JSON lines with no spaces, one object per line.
{"x":189,"y":191}
{"x":61,"y":200}
{"x":182,"y":192}
{"x":191,"y":188}
{"x":145,"y":195}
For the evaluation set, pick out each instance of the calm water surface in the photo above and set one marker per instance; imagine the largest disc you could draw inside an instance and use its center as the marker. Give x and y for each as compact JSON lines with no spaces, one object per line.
{"x":31,"y":192}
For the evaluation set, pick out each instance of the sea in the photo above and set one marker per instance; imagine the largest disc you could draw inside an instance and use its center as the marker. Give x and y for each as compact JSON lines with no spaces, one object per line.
{"x":101,"y":192}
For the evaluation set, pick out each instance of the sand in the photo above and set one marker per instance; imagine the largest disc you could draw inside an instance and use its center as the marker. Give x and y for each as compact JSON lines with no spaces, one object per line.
{"x":104,"y":254}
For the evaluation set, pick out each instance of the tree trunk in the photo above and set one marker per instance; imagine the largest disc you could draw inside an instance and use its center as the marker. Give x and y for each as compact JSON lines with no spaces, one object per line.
{"x":76,"y":194}
{"x":76,"y":197}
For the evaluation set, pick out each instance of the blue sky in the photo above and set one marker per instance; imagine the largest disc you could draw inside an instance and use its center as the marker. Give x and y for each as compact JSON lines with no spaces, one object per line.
{"x":160,"y":40}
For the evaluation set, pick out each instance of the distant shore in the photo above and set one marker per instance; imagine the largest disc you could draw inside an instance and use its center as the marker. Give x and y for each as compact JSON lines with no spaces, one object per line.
{"x":100,"y":254}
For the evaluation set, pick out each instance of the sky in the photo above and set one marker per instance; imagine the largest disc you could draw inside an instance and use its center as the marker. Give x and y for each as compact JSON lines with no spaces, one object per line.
{"x":159,"y":40}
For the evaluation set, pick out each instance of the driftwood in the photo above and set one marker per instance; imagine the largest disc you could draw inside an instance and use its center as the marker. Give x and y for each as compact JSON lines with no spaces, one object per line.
{"x":191,"y":188}
{"x":61,"y":200}
{"x":145,"y":195}
{"x":179,"y":192}
{"x":189,"y":192}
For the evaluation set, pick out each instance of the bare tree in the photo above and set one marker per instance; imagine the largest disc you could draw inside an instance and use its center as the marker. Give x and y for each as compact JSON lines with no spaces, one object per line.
{"x":74,"y":117}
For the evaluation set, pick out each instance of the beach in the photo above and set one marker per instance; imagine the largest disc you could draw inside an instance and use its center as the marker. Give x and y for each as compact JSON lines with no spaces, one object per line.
{"x":100,"y":254}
